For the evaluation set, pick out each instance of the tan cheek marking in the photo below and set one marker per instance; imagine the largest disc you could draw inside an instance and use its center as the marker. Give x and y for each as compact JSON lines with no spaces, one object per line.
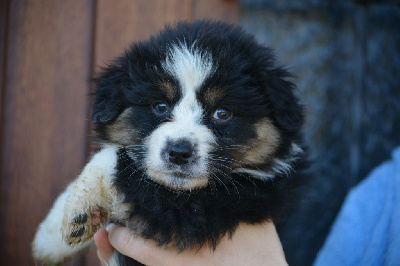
{"x":266,"y":143}
{"x":121,"y":131}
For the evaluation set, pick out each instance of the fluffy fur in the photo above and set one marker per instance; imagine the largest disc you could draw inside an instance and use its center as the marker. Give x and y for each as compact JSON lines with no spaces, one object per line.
{"x":200,"y":131}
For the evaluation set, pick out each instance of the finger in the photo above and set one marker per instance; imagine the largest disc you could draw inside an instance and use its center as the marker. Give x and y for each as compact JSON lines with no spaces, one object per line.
{"x":132,"y":245}
{"x":104,"y":248}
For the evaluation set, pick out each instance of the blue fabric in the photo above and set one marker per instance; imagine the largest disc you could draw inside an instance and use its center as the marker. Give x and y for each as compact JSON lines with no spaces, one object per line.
{"x":367,"y":229}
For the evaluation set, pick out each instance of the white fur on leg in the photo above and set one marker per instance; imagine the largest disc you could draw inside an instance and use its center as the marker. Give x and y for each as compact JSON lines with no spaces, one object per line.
{"x":48,"y":245}
{"x":92,"y":188}
{"x":92,"y":192}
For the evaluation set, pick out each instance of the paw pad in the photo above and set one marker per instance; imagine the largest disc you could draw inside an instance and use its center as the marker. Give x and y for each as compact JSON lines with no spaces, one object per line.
{"x":82,"y":226}
{"x":77,"y":232}
{"x":80,"y":218}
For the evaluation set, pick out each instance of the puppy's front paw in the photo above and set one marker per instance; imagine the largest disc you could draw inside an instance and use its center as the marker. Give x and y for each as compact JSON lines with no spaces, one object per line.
{"x":81,"y":226}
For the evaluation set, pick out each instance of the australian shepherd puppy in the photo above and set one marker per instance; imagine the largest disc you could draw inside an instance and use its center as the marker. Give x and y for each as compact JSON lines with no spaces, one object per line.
{"x":199,"y":131}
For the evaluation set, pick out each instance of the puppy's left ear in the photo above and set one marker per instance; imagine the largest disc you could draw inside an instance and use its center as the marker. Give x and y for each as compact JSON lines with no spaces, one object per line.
{"x":109,"y":99}
{"x":288,"y":111}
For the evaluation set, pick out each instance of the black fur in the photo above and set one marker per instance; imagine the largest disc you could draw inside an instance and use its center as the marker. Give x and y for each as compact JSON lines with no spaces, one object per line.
{"x":255,"y":88}
{"x":190,"y":219}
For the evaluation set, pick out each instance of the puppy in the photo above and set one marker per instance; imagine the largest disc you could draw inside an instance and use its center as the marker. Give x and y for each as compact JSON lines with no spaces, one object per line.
{"x":199,"y":131}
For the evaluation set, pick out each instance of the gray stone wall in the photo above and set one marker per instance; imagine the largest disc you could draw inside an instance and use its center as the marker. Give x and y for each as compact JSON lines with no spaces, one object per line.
{"x":345,"y":57}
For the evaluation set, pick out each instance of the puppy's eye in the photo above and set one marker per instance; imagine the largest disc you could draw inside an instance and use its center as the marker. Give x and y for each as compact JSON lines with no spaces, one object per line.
{"x":160,"y":108}
{"x":222,"y":115}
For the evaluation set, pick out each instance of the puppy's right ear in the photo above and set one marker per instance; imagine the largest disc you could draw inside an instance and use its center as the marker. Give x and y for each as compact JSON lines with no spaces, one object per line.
{"x":109,"y":99}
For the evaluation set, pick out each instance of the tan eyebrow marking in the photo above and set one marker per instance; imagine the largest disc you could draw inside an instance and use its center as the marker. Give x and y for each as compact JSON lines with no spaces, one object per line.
{"x":213,"y":95}
{"x":169,"y":90}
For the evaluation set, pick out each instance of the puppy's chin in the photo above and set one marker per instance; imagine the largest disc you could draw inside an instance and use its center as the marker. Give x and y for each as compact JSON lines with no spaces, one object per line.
{"x":177,"y":181}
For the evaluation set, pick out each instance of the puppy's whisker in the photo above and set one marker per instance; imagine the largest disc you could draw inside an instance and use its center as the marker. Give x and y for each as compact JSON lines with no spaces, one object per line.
{"x":235,"y":162}
{"x":226,"y":174}
{"x":129,"y":166}
{"x":229,"y":179}
{"x":131,"y":174}
{"x":221,"y":182}
{"x":233,"y":169}
{"x":227,"y":148}
{"x":135,"y":147}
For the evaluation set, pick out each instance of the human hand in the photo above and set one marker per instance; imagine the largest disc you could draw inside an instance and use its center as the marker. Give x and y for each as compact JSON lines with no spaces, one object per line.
{"x":250,"y":245}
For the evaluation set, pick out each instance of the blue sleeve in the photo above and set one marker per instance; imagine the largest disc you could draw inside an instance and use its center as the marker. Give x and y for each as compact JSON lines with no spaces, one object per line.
{"x":367,"y":229}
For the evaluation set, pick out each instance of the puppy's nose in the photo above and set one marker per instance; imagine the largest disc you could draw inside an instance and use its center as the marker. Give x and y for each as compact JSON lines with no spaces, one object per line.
{"x":180,"y":152}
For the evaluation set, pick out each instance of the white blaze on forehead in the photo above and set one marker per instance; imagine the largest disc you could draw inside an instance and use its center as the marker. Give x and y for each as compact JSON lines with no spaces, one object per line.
{"x":189,"y":66}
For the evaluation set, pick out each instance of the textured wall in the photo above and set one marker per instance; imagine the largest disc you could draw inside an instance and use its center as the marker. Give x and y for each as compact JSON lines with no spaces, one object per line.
{"x":346,"y":60}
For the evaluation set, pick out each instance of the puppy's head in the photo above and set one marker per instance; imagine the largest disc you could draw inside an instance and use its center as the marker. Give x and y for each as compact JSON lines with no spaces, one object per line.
{"x":199,"y":104}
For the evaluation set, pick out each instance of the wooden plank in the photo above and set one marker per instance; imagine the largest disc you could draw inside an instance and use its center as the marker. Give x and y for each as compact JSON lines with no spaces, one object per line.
{"x":122,"y":22}
{"x":45,"y":125}
{"x":224,"y":10}
{"x":4,"y":5}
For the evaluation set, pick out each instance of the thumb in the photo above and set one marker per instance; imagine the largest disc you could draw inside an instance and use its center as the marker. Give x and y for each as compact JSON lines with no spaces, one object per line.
{"x":104,"y":248}
{"x":134,"y":246}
